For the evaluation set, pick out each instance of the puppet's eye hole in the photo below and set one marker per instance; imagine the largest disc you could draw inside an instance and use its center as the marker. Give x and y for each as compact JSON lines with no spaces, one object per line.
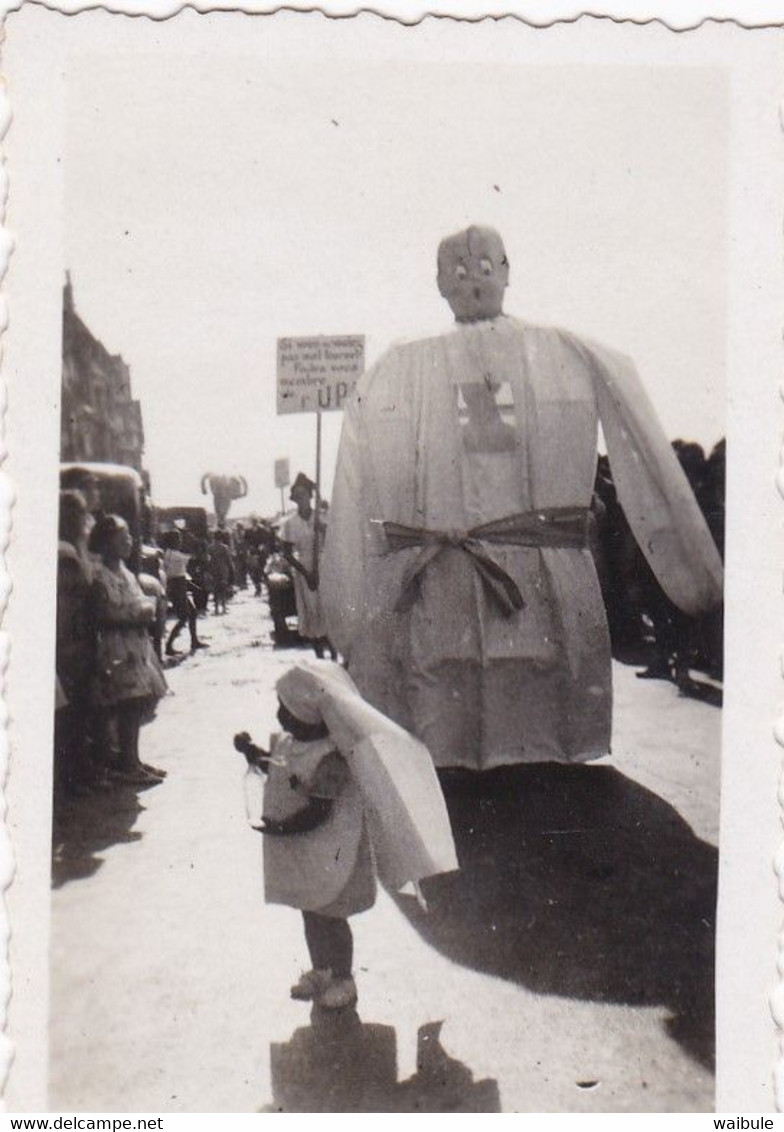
{"x":461,"y":271}
{"x":486,"y":266}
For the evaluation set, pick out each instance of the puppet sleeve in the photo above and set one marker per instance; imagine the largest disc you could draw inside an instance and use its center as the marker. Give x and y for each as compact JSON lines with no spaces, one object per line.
{"x":351,"y":538}
{"x":652,"y":487}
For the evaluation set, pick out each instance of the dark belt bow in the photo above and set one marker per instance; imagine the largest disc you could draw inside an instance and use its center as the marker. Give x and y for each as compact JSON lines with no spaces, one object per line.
{"x":549,"y":527}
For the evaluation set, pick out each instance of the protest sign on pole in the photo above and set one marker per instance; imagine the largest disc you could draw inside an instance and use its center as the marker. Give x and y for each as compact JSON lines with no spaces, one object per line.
{"x":317,"y":374}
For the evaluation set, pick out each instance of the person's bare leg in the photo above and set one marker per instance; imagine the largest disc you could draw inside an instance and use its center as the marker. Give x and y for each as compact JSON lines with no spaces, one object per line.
{"x":129,"y":722}
{"x":170,"y":650}
{"x":128,"y":733}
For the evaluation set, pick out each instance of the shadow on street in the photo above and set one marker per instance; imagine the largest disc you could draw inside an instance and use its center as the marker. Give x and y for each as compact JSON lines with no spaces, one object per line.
{"x":86,"y":826}
{"x":576,"y":881}
{"x":340,"y":1064}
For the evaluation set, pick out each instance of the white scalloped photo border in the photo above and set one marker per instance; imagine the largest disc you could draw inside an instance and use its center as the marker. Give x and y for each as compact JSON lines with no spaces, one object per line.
{"x":6,"y":516}
{"x":763,"y":13}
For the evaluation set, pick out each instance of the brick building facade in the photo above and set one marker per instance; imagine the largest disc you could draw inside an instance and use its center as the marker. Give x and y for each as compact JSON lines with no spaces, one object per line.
{"x":99,"y":418}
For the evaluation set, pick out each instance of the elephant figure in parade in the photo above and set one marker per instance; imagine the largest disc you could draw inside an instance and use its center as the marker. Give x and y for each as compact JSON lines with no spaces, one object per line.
{"x":225,"y":489}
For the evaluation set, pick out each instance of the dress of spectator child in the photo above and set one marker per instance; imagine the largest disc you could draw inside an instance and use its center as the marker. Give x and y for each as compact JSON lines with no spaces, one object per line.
{"x":152,"y":580}
{"x":128,"y":680}
{"x":75,"y":650}
{"x":221,"y":569}
{"x":175,"y":565}
{"x":349,"y":794}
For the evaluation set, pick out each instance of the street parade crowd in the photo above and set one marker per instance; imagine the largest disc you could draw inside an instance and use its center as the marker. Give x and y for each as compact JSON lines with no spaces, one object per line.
{"x":443,"y":546}
{"x":120,"y":611}
{"x":183,"y":577}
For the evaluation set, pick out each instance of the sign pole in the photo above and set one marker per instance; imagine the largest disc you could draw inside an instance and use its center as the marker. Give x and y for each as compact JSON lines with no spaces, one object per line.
{"x":317,"y":373}
{"x":318,"y":499}
{"x":282,"y":479}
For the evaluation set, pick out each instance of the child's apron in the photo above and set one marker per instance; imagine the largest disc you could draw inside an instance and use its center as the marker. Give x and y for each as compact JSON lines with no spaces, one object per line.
{"x":329,"y":869}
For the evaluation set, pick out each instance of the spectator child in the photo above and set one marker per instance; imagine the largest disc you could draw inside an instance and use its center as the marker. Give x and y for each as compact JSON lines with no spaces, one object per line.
{"x":175,"y":565}
{"x":128,"y":680}
{"x":221,"y":569}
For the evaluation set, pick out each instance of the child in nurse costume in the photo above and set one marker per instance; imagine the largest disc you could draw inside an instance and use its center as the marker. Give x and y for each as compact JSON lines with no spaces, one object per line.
{"x":349,"y":796}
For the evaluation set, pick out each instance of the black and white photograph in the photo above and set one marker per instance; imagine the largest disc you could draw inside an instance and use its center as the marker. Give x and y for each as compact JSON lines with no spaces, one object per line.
{"x":384,"y":423}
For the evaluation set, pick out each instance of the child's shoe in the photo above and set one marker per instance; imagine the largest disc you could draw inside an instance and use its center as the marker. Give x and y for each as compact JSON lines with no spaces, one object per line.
{"x":311,"y":984}
{"x":338,"y":994}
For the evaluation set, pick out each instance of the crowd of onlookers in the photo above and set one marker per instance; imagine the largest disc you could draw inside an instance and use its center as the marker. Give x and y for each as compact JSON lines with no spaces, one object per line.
{"x":644,"y":624}
{"x":113,"y":603}
{"x":109,"y":678}
{"x":203,"y":569}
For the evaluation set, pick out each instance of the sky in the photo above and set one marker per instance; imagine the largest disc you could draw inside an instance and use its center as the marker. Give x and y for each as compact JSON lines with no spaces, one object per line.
{"x":212,"y":208}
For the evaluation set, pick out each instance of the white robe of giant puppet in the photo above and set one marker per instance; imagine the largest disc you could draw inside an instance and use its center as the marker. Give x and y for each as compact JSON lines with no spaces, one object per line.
{"x":492,"y":645}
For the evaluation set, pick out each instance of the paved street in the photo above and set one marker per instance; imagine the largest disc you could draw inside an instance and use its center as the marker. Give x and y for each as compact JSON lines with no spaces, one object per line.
{"x":567,"y":967}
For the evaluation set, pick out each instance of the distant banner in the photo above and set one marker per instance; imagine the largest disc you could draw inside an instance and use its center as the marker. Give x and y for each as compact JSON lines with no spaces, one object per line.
{"x":318,"y":374}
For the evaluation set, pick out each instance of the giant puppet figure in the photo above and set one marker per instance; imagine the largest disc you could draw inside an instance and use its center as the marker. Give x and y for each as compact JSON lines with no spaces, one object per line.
{"x":456,"y":577}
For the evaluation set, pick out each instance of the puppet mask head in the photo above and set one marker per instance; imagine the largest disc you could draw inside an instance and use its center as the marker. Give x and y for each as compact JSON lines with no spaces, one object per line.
{"x":473,"y":273}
